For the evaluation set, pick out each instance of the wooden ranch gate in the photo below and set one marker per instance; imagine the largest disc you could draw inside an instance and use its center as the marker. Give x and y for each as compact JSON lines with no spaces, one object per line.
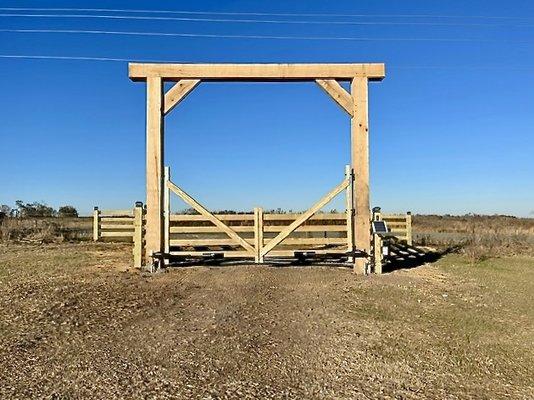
{"x":194,"y":235}
{"x":260,"y":234}
{"x":327,"y":76}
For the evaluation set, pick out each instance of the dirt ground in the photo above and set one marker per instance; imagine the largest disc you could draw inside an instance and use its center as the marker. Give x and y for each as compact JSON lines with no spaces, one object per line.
{"x":76,"y":322}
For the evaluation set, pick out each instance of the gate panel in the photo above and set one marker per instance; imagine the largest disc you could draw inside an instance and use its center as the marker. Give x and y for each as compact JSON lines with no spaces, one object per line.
{"x":258,"y":234}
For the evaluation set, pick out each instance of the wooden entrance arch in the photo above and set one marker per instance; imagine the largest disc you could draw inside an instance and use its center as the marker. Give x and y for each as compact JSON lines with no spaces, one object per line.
{"x":188,"y":76}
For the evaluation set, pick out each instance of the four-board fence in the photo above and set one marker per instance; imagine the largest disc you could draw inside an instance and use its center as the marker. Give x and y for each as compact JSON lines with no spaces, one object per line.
{"x":196,"y":236}
{"x":122,"y":225}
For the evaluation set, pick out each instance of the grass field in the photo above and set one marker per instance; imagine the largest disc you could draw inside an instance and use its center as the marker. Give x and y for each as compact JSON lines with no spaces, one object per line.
{"x":484,"y":234}
{"x":76,"y":322}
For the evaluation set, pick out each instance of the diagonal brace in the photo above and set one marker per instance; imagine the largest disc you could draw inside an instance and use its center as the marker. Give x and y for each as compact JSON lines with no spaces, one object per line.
{"x":304,"y":217}
{"x":338,"y":94}
{"x":178,"y":92}
{"x":212,"y":218}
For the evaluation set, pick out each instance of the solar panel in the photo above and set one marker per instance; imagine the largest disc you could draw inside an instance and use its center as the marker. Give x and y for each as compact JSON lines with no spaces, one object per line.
{"x":379,"y":227}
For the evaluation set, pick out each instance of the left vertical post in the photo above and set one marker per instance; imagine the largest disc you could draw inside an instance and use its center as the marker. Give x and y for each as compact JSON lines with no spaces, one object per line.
{"x":138,"y":235}
{"x":154,"y":166}
{"x":96,"y":224}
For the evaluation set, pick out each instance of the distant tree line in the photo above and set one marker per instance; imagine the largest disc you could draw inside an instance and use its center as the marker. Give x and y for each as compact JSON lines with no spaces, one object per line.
{"x":36,"y":209}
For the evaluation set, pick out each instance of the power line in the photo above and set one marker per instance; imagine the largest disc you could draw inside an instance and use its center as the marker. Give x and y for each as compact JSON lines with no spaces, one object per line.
{"x":256,"y":21}
{"x":78,"y":58}
{"x":407,"y":67}
{"x":265,"y":13}
{"x":264,"y":37}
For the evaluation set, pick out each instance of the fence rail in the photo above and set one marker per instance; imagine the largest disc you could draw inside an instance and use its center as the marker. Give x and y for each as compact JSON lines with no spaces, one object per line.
{"x":400,"y":225}
{"x":191,"y":235}
{"x":113,"y":224}
{"x":196,"y":235}
{"x":124,"y":225}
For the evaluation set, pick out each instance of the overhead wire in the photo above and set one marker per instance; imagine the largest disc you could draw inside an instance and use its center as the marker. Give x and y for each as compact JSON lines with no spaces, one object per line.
{"x":140,"y":60}
{"x":273,"y":37}
{"x":238,"y":36}
{"x":332,"y":15}
{"x":256,"y":21}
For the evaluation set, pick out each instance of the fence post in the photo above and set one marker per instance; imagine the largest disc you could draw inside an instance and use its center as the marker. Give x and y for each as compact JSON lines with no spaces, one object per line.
{"x":138,"y":235}
{"x":350,"y":211}
{"x":377,"y":254}
{"x":166,"y":208}
{"x":258,"y":234}
{"x":409,"y":228}
{"x":377,"y":243}
{"x":96,"y":224}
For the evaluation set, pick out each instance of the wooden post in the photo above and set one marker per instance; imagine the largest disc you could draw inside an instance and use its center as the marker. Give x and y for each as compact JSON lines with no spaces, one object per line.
{"x":350,"y":210}
{"x":167,"y":209}
{"x":154,"y":166}
{"x":409,"y":228}
{"x":360,"y":166}
{"x":96,"y":224}
{"x":377,"y":254}
{"x":258,"y":234}
{"x":138,"y":235}
{"x":377,"y":244}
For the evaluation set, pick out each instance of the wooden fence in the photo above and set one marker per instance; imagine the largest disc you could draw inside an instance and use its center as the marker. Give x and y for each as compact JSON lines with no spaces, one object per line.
{"x":195,"y":235}
{"x":400,"y":225}
{"x":123,"y":225}
{"x":256,"y":235}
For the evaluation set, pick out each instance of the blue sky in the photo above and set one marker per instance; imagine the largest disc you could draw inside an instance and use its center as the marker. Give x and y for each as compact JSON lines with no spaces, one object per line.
{"x":450,"y":126}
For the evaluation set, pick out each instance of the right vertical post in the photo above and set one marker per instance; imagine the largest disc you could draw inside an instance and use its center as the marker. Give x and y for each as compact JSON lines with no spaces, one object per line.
{"x":258,"y":234}
{"x":96,"y":224}
{"x":166,"y":209}
{"x":409,"y":228}
{"x":350,"y":211}
{"x":154,"y":167}
{"x":377,"y":244}
{"x":360,"y":165}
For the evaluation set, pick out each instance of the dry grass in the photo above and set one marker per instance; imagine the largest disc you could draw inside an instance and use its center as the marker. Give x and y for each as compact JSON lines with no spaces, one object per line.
{"x":478,"y":236}
{"x":74,"y":323}
{"x":45,"y":230}
{"x":466,"y":223}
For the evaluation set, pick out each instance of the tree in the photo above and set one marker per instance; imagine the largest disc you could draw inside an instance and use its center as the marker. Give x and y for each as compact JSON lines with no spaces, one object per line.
{"x":189,"y":211}
{"x":5,"y":211}
{"x":67,"y":211}
{"x":34,"y":209}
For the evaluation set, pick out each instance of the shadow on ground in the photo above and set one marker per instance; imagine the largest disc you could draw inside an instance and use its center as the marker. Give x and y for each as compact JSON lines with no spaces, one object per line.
{"x":401,"y":256}
{"x":404,"y":256}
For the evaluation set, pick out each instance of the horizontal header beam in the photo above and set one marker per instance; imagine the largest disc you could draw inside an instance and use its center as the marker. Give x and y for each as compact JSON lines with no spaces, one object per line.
{"x":256,"y":72}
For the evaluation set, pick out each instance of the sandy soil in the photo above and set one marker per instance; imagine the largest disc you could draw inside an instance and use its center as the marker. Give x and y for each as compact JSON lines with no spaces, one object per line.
{"x":76,"y":322}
